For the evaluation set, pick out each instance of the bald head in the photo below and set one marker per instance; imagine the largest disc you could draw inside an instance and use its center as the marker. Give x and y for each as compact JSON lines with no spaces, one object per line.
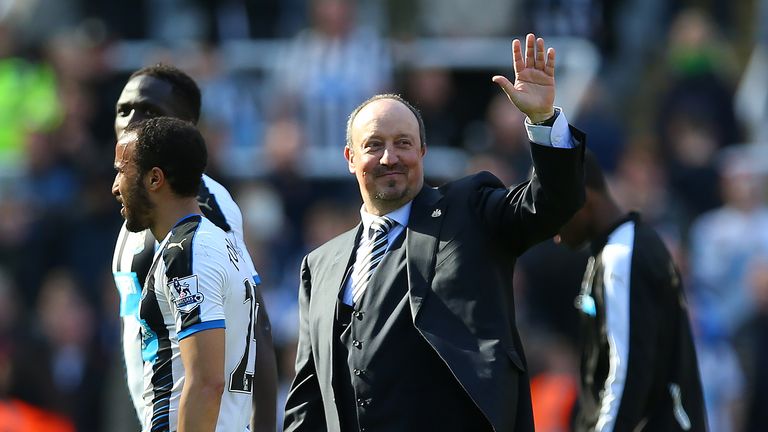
{"x":392,"y":98}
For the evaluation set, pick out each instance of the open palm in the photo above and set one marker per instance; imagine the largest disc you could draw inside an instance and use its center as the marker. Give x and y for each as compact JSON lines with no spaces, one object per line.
{"x":534,"y":89}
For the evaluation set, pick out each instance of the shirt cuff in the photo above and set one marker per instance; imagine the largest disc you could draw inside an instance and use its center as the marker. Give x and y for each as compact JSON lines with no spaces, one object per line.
{"x":558,"y":135}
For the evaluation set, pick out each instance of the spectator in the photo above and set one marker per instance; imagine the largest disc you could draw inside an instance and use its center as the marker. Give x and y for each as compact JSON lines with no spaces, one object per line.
{"x":696,"y":115}
{"x":752,"y":345}
{"x":433,"y":91}
{"x":62,"y":368}
{"x":327,"y":70}
{"x":722,"y":242}
{"x":504,"y":138}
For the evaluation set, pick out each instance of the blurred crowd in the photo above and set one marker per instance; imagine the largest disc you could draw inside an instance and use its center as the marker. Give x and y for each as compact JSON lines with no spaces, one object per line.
{"x":660,"y":114}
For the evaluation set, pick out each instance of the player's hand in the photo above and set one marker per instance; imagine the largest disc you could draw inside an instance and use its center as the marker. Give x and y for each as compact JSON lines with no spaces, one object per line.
{"x":534,"y":89}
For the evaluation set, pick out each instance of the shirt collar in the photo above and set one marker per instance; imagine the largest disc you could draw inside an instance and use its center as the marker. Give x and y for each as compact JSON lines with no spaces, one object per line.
{"x":400,"y":216}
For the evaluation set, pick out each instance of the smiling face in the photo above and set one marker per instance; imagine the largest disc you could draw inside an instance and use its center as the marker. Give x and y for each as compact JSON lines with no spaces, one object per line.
{"x":145,"y":97}
{"x":128,"y":187}
{"x":386,"y":155}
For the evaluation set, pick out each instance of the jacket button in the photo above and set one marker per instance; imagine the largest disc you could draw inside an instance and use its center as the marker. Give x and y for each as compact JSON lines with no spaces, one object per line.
{"x":361,"y":402}
{"x":356,"y":343}
{"x":358,"y":315}
{"x":357,"y":372}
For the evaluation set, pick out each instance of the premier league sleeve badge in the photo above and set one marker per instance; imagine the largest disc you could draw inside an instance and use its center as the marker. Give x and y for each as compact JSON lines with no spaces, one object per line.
{"x":185,"y":294}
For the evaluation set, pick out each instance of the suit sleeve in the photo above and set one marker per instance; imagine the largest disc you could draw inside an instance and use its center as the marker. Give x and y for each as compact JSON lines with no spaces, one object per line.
{"x":535,"y":210}
{"x":304,"y":407}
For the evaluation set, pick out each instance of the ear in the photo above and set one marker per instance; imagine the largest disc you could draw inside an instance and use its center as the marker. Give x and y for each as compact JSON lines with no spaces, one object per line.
{"x":349,"y":156}
{"x":155,"y":179}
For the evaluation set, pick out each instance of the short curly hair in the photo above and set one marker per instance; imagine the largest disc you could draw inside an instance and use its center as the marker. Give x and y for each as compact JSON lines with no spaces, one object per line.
{"x":173,"y":145}
{"x":183,"y":85}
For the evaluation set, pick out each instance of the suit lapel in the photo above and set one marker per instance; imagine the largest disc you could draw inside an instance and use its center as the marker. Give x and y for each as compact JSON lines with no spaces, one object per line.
{"x":343,"y":259}
{"x":334,"y":277}
{"x":424,"y":223}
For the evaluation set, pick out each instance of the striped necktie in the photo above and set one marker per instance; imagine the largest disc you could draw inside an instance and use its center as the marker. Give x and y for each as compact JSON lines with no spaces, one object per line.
{"x":372,"y":252}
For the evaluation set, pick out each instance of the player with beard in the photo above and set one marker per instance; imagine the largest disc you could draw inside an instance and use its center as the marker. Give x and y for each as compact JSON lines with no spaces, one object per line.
{"x":196,"y":308}
{"x":164,"y":90}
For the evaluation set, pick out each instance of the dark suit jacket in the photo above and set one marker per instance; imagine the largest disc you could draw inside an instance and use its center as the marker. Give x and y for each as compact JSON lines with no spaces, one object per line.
{"x":461,"y":243}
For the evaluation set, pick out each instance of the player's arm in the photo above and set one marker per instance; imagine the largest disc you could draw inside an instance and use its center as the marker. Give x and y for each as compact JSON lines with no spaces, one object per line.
{"x":202,"y":354}
{"x":264,"y":414}
{"x":198,"y":307}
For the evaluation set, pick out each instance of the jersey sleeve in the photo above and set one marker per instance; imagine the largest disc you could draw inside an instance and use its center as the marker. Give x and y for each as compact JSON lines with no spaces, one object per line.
{"x":197,"y":297}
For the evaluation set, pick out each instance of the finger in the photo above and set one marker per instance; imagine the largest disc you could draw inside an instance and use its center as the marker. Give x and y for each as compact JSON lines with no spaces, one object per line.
{"x":540,"y":64}
{"x":504,"y":83}
{"x":529,"y":50}
{"x":517,"y":56}
{"x":550,"y":69}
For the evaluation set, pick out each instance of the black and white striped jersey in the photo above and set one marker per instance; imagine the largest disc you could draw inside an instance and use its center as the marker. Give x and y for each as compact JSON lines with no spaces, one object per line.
{"x":639,"y":370}
{"x":198,"y":281}
{"x":131,"y":263}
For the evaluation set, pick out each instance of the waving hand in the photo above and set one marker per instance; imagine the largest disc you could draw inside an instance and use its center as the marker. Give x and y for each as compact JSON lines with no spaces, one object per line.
{"x":534,"y":89}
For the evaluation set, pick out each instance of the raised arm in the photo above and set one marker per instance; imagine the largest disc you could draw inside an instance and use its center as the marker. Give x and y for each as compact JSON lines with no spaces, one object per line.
{"x":533,"y":91}
{"x":533,"y":211}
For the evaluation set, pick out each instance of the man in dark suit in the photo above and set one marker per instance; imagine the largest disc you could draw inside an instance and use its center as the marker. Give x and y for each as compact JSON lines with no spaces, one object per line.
{"x":639,"y":368}
{"x":407,"y":320}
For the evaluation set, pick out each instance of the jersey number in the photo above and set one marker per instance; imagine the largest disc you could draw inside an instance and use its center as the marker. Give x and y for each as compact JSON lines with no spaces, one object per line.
{"x":241,"y":378}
